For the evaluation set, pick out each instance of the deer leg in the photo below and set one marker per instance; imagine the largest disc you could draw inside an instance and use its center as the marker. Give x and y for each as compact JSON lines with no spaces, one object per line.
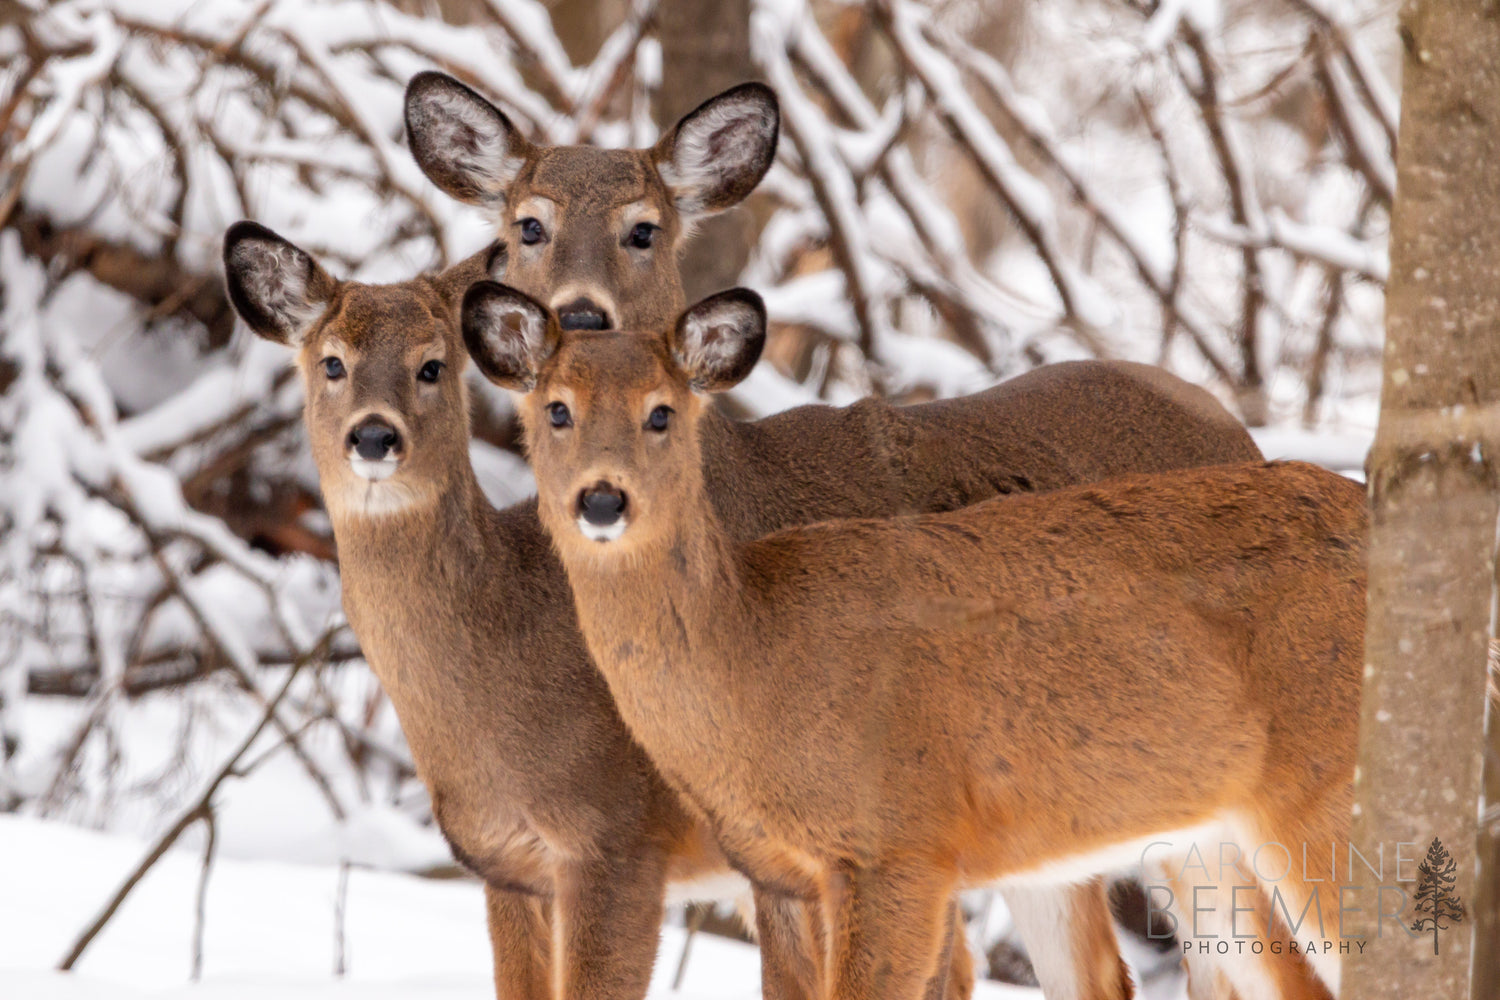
{"x":1071,"y":939}
{"x":961,"y":962}
{"x":521,"y":940}
{"x":889,"y":930}
{"x":1302,"y":906}
{"x":1234,"y":947}
{"x":793,"y":947}
{"x":606,"y":926}
{"x":954,"y":976}
{"x":1207,"y":977}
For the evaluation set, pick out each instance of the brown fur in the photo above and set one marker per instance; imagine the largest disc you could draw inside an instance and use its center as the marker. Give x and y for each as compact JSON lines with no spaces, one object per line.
{"x":877,"y":712}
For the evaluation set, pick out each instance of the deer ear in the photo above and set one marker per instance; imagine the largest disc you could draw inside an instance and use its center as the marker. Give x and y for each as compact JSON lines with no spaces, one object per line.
{"x":276,"y":287}
{"x":718,"y":341}
{"x":462,"y":142}
{"x":716,"y":155}
{"x":486,"y":265}
{"x":508,"y":333}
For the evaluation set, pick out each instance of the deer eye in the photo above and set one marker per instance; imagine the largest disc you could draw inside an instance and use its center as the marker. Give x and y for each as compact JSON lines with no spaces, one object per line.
{"x":430,"y":371}
{"x":642,"y":235}
{"x":659,"y":418}
{"x":532,"y":232}
{"x":559,"y":415}
{"x":333,"y":368}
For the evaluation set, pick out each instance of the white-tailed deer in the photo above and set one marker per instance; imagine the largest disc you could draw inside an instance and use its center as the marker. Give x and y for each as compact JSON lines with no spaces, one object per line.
{"x":877,"y":712}
{"x":465,"y":615}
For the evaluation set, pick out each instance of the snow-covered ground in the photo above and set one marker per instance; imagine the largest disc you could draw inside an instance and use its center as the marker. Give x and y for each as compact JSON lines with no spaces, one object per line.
{"x":271,"y":927}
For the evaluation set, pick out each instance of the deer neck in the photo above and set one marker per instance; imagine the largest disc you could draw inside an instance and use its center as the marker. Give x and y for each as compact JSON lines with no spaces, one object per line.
{"x":403,"y":572}
{"x":653,"y":619}
{"x":377,"y":541}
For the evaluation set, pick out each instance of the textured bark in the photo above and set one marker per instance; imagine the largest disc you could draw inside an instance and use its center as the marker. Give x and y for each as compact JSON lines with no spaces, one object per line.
{"x":1434,"y":500}
{"x":705,"y":48}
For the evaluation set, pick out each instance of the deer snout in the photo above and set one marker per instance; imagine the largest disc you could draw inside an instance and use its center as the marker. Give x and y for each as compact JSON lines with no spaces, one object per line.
{"x":374,"y":447}
{"x":583,"y":313}
{"x":374,"y":439}
{"x":601,"y":512}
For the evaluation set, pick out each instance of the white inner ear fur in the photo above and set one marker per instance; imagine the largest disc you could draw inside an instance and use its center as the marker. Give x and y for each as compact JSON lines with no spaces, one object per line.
{"x":713,"y":337}
{"x":724,"y":140}
{"x":275,"y":276}
{"x":469,"y":139}
{"x":515,"y":332}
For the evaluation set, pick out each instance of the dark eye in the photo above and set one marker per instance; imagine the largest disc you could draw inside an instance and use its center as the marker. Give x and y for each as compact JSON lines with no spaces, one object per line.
{"x":642,"y":235}
{"x":559,"y":415}
{"x":659,"y":418}
{"x":430,"y":371}
{"x":532,"y":232}
{"x":333,"y":368}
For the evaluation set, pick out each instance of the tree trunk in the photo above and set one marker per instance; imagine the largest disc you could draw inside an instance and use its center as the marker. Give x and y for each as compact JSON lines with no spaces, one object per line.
{"x":1434,"y":497}
{"x":583,"y":25}
{"x":705,"y":48}
{"x":1486,"y":912}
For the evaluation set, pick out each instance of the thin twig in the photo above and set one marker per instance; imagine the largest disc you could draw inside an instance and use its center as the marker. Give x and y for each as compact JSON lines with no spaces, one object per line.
{"x":340,"y":904}
{"x":200,"y":910}
{"x":1244,"y":208}
{"x":1376,"y":165}
{"x":696,"y":915}
{"x":194,"y":812}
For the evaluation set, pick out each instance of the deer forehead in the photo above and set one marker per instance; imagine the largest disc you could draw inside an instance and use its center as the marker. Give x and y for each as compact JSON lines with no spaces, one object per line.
{"x":404,"y":320}
{"x":627,"y":369}
{"x":583,"y":178}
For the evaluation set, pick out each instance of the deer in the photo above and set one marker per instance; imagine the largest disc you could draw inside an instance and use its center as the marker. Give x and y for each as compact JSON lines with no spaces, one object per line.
{"x":596,"y":234}
{"x":875,"y":712}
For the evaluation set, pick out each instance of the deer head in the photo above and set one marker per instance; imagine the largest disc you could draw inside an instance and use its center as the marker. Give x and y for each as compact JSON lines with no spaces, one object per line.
{"x":611,"y":418}
{"x":593,"y":233}
{"x":386,"y":408}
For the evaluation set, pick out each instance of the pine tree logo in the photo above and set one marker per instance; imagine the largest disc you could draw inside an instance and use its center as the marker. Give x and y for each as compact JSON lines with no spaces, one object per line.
{"x":1436,"y":878}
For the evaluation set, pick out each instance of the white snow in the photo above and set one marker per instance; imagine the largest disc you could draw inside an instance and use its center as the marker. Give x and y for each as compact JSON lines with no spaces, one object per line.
{"x":1343,"y":453}
{"x":273,"y":927}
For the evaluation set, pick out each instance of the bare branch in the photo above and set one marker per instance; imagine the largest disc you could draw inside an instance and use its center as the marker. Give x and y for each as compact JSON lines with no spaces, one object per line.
{"x":197,"y":810}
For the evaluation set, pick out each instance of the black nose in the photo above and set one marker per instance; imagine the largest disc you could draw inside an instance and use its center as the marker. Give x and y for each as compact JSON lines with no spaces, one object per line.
{"x":601,"y":504}
{"x":374,"y":439}
{"x":583,"y":314}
